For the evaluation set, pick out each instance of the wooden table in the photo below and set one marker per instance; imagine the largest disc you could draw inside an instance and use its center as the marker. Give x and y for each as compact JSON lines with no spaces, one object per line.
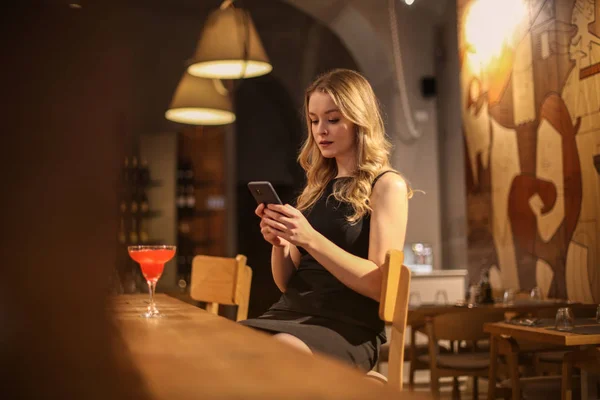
{"x":541,"y":335}
{"x":418,"y":314}
{"x":190,"y":353}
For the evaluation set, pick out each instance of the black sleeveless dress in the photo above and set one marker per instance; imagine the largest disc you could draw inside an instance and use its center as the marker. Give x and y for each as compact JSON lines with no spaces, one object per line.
{"x":316,"y":307}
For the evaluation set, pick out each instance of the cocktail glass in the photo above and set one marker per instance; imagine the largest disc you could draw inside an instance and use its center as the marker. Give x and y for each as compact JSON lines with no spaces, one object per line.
{"x":152,"y":261}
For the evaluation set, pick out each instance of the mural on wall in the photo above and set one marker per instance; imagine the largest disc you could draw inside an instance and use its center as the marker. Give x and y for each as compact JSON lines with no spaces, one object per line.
{"x":530,"y":80}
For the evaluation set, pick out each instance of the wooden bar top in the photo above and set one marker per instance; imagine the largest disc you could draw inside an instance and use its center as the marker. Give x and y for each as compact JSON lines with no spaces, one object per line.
{"x":190,"y":353}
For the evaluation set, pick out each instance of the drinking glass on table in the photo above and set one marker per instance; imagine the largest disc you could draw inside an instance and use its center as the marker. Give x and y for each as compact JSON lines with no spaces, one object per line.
{"x":414,"y":299}
{"x":441,"y":297}
{"x":152,"y":261}
{"x":565,"y":320}
{"x":509,"y":297}
{"x":536,"y":293}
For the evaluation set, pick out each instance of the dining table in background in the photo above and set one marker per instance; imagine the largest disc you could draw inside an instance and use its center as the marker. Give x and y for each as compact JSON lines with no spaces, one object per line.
{"x":190,"y":353}
{"x":418,"y":314}
{"x":585,"y":333}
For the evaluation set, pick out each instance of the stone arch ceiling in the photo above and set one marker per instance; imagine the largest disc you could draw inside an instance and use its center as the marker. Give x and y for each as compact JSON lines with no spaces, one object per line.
{"x":364,"y":29}
{"x":346,"y":20}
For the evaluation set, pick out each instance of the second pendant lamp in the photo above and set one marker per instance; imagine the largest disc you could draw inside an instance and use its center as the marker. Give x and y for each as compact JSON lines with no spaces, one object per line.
{"x":200,"y":101}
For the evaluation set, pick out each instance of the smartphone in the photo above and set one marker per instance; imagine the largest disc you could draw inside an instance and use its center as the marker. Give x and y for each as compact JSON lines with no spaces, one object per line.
{"x":264,"y":193}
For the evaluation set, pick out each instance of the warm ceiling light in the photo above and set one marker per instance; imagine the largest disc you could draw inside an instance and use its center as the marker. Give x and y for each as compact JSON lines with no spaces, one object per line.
{"x":200,"y":101}
{"x":229,"y":47}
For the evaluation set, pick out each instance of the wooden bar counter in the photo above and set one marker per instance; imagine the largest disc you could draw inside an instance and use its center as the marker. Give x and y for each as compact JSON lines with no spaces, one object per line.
{"x":190,"y":353}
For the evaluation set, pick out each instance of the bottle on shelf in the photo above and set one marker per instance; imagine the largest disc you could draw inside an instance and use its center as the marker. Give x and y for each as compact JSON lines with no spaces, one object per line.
{"x":133,"y":234}
{"x":134,"y":204}
{"x":180,"y":201}
{"x":184,"y":227}
{"x":188,"y":173}
{"x":143,"y":233}
{"x":485,"y":288}
{"x":144,"y":205}
{"x":180,"y":172}
{"x":123,"y":205}
{"x":144,"y":174}
{"x":134,"y":172}
{"x":190,"y":199}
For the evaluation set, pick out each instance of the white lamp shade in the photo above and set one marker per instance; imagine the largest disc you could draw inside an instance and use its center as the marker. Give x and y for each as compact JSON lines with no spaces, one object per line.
{"x":220,"y":50}
{"x":197,"y":101}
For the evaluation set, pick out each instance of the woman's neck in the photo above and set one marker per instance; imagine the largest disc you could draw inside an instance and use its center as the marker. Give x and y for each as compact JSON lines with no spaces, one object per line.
{"x":346,"y":166}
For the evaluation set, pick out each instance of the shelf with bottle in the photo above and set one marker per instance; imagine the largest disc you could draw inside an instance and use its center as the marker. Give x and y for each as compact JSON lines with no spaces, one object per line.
{"x":187,"y":195}
{"x":132,"y":231}
{"x":134,"y":174}
{"x":135,"y":209}
{"x":134,"y":206}
{"x":192,"y":214}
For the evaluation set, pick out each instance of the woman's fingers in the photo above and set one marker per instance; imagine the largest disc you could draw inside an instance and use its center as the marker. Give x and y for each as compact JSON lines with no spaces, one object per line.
{"x":286,"y":210}
{"x":260,"y":210}
{"x":274,"y":224}
{"x":278,"y":217}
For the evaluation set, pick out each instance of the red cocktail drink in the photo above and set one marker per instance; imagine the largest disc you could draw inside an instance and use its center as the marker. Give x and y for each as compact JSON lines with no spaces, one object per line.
{"x":152,"y":261}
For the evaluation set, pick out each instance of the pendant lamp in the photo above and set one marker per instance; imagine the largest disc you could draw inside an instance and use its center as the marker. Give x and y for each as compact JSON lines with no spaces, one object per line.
{"x":229,"y":47}
{"x":200,"y":101}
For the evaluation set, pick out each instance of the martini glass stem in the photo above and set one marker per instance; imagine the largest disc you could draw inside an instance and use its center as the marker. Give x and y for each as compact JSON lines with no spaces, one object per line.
{"x":151,"y":289}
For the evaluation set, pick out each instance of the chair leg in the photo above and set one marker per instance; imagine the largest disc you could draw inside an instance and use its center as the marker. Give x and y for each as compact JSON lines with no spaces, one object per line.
{"x":475,"y":388}
{"x":435,"y":385}
{"x":413,"y":358}
{"x":411,"y":376}
{"x":514,"y":375}
{"x":510,"y":349}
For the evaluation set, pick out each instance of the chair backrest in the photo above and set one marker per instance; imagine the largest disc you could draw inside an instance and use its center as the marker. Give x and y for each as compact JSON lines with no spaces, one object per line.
{"x":587,"y":359}
{"x":221,"y":280}
{"x":393,"y":308}
{"x":463,"y":325}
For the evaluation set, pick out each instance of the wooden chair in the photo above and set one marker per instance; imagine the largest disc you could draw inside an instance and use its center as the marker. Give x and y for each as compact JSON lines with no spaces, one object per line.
{"x":587,"y":360}
{"x":393,"y":308}
{"x":221,"y":280}
{"x":467,"y":326}
{"x":528,"y":387}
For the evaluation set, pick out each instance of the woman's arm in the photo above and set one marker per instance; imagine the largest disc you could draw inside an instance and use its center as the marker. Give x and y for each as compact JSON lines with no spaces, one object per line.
{"x":284,"y":261}
{"x":284,"y":255}
{"x":389,"y":202}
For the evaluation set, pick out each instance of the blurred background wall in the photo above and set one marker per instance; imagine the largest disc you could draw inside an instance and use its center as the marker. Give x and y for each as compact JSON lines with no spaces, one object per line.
{"x":530,"y":108}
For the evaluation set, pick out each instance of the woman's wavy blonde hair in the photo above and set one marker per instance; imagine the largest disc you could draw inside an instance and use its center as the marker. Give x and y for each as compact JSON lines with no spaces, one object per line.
{"x":355,"y":98}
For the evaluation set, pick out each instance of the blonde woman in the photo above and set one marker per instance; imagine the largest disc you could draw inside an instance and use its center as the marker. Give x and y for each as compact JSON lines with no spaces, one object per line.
{"x":327,"y":250}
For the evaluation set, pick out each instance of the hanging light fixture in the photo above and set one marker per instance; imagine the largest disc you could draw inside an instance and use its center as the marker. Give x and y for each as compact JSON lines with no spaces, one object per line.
{"x":200,"y":101}
{"x":229,"y":46}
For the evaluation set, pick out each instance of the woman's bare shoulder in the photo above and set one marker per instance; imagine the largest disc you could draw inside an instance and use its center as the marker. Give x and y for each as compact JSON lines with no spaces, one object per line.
{"x":391,"y":183}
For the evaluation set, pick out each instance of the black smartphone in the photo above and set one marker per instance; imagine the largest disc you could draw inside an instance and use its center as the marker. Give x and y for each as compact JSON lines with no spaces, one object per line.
{"x":264,"y":193}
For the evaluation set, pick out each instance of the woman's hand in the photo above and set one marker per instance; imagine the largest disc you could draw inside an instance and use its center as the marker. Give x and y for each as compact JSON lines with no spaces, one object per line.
{"x":290,"y":224}
{"x":269,"y":234}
